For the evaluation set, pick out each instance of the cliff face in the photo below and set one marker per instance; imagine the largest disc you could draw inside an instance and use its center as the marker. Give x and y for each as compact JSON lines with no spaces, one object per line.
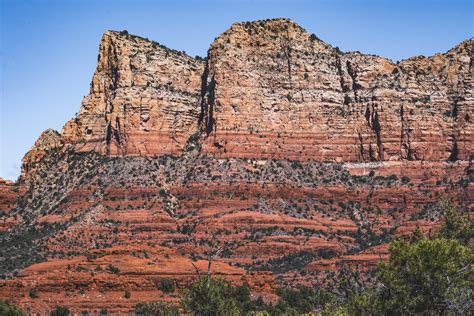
{"x":270,"y":89}
{"x":275,"y":91}
{"x":143,"y":100}
{"x":292,"y":156}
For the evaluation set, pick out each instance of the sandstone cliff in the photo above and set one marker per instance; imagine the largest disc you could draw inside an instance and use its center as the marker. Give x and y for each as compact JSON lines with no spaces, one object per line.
{"x":143,"y":99}
{"x":270,"y":89}
{"x":275,"y":91}
{"x":295,"y":156}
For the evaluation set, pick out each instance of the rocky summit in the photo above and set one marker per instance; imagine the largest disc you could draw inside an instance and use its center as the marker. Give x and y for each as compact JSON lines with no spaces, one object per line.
{"x":277,"y":157}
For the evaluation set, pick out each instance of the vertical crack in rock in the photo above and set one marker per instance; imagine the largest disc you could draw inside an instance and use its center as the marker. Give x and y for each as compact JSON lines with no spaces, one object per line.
{"x":455,"y":110}
{"x":405,"y":141}
{"x":108,"y":136}
{"x":344,"y":88}
{"x":454,"y":151}
{"x":211,"y":122}
{"x":353,"y":74}
{"x":377,"y":129}
{"x":287,"y":53}
{"x":117,"y":131}
{"x":371,"y":153}
{"x":206,"y":117}
{"x":112,"y":62}
{"x":361,"y":147}
{"x":454,"y":154}
{"x":110,"y":93}
{"x":372,"y":118}
{"x":204,"y":76}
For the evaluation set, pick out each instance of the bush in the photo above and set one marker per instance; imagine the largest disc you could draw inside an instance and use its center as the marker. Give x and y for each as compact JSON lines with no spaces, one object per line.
{"x":166,"y":286}
{"x":7,"y":309}
{"x":33,"y":293}
{"x":456,"y":226}
{"x":428,"y":276}
{"x":301,"y":300}
{"x":219,"y":297}
{"x":127,"y":294}
{"x":113,"y":269}
{"x":156,"y":308}
{"x":211,"y":297}
{"x":60,"y":311}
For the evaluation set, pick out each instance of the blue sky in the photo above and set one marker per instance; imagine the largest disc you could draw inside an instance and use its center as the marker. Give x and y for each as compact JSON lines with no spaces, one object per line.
{"x":48,"y":49}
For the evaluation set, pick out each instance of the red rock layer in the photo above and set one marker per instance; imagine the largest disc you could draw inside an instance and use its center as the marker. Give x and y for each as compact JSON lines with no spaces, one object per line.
{"x":279,"y":222}
{"x":7,"y":196}
{"x":99,"y":280}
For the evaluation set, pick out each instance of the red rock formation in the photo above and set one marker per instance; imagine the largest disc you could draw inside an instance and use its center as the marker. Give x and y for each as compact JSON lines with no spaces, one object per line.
{"x":143,"y":99}
{"x":7,"y":196}
{"x":99,"y":280}
{"x":292,"y":156}
{"x":275,"y":91}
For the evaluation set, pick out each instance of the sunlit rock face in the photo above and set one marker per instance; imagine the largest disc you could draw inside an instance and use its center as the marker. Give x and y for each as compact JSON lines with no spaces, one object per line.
{"x":275,"y":91}
{"x":270,"y":89}
{"x":294,"y":157}
{"x":143,"y":100}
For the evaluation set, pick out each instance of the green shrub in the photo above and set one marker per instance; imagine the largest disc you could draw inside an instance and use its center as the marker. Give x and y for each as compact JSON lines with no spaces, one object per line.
{"x":301,"y":300}
{"x":210,"y":297}
{"x":7,"y":309}
{"x":166,"y":286}
{"x":456,"y":226}
{"x":60,"y":311}
{"x":428,"y":276}
{"x":127,"y":294}
{"x":113,"y":269}
{"x":156,"y":309}
{"x":33,"y":293}
{"x":103,"y":311}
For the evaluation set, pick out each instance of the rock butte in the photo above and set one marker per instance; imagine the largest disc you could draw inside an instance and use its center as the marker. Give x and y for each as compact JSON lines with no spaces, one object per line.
{"x":293,"y":157}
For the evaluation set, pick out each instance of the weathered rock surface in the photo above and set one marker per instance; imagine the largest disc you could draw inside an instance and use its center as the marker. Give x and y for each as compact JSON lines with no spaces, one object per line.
{"x":293,"y":157}
{"x":7,"y":196}
{"x":48,"y":140}
{"x":143,"y":100}
{"x":275,"y":91}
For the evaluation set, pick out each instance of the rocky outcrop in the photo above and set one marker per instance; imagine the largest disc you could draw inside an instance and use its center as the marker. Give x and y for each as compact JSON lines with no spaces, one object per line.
{"x":48,"y":140}
{"x":7,"y":196}
{"x":275,"y":91}
{"x":269,"y":89}
{"x":289,"y":156}
{"x":143,"y":99}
